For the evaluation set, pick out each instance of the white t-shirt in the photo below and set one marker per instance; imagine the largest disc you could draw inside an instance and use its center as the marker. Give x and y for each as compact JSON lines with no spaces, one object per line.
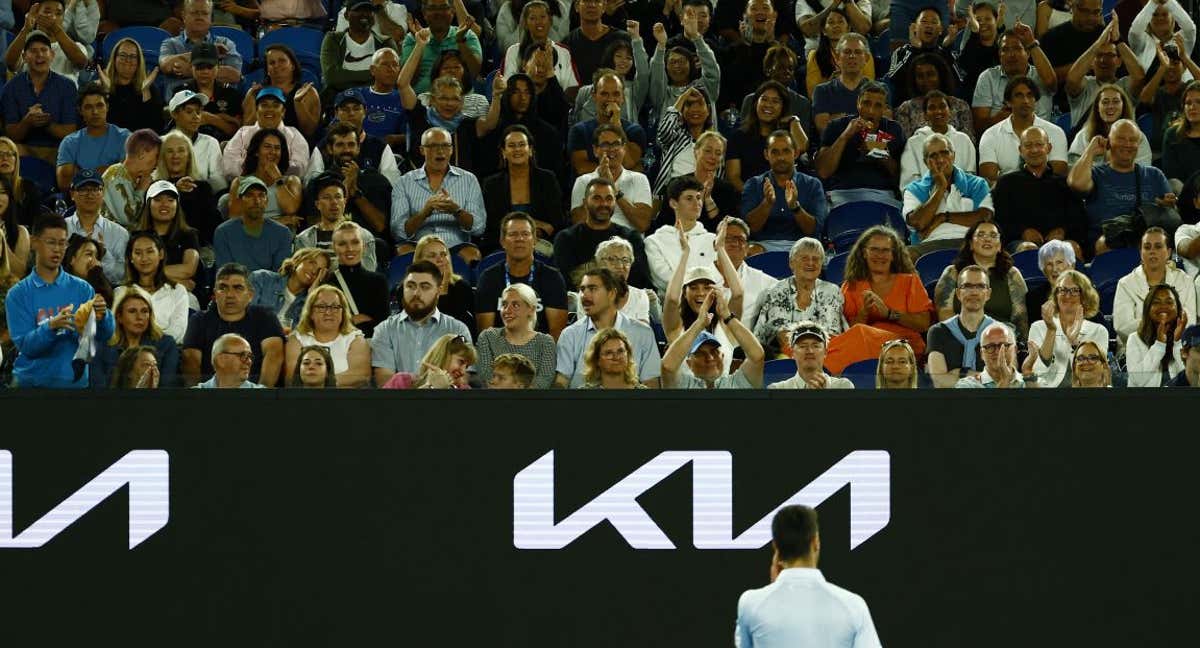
{"x":358,"y":56}
{"x":635,"y":186}
{"x":339,"y":348}
{"x":396,"y":12}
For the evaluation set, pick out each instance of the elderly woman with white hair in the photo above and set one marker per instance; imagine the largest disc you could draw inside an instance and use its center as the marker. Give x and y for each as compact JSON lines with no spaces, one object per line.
{"x":518,"y":312}
{"x":1066,"y":323}
{"x":803,"y":296}
{"x":1054,"y":258}
{"x":640,"y":304}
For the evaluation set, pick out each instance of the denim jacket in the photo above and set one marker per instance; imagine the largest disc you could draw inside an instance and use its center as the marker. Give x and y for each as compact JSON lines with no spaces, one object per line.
{"x":269,"y":288}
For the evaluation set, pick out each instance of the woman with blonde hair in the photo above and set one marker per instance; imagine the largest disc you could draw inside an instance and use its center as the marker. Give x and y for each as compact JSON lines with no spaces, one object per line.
{"x":443,"y":367}
{"x":1066,"y":323}
{"x":27,"y":197}
{"x":897,"y":366}
{"x":133,"y":100}
{"x":135,"y":327}
{"x":325,"y":322}
{"x":518,"y":312}
{"x":286,"y":292}
{"x":1089,"y":366}
{"x":177,"y":165}
{"x":455,"y":297}
{"x":608,"y":362}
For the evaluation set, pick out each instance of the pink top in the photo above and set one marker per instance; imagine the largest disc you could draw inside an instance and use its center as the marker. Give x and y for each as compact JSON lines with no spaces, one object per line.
{"x":405,"y":380}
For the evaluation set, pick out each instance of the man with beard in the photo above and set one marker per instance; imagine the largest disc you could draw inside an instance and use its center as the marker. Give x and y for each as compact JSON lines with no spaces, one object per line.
{"x":365,"y":290}
{"x":783,"y":205}
{"x":329,"y":193}
{"x":346,"y":56}
{"x":367,"y":168}
{"x":231,"y":312}
{"x":87,"y":191}
{"x":41,"y":314}
{"x":598,"y":296}
{"x":633,"y":206}
{"x":860,"y":154}
{"x":403,"y":339}
{"x":999,"y":146}
{"x":518,"y":236}
{"x":988,"y":104}
{"x":946,"y":202}
{"x":575,"y":246}
{"x":252,"y":239}
{"x":438,"y":198}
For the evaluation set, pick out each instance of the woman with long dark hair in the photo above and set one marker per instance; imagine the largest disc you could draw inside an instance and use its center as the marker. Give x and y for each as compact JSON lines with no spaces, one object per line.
{"x":534,"y":31}
{"x":690,"y":285}
{"x":678,"y":129}
{"x":146,"y":268}
{"x":522,"y":186}
{"x":136,"y":368}
{"x":302,"y":110}
{"x":1111,"y":103}
{"x":508,"y":22}
{"x":674,"y":70}
{"x":163,"y":213}
{"x":1181,"y":141}
{"x":931,"y":72}
{"x":982,"y":246}
{"x":13,"y":235}
{"x":745,"y":158}
{"x":267,"y":159}
{"x":518,"y":107}
{"x":314,"y":370}
{"x":1154,"y":353}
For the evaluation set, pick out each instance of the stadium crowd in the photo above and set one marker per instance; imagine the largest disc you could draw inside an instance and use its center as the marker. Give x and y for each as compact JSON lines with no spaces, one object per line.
{"x":447,"y":194}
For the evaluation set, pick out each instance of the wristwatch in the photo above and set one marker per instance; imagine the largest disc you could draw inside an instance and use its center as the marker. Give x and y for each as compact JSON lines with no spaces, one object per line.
{"x":1036,"y":43}
{"x":728,"y":319}
{"x":794,"y":207}
{"x":620,"y":195}
{"x":893,"y":315}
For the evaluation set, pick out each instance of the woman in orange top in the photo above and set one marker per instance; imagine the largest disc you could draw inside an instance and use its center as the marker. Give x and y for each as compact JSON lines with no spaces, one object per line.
{"x":884,"y":300}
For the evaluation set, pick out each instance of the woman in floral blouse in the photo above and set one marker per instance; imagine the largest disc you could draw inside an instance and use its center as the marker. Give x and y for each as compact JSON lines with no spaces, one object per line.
{"x":801,"y":297}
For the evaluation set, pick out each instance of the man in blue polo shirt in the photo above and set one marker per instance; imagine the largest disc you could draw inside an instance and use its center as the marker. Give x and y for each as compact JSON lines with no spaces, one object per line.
{"x":41,"y":315}
{"x":97,"y":145}
{"x":39,"y":105}
{"x":598,"y":296}
{"x":783,"y":205}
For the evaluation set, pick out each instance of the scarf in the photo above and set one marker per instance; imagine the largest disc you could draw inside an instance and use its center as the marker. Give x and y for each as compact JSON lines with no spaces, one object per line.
{"x":435,"y":120}
{"x":970,"y":346}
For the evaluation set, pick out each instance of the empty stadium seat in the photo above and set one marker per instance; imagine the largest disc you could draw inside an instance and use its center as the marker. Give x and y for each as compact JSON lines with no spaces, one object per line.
{"x":835,"y":270}
{"x":305,"y":42}
{"x":778,"y":370}
{"x":848,"y":220}
{"x":150,"y":38}
{"x":772,"y":263}
{"x":862,"y":373}
{"x":931,"y":265}
{"x":243,"y":41}
{"x":1027,"y":263}
{"x":40,"y":173}
{"x":396,"y":269}
{"x":1111,"y":266}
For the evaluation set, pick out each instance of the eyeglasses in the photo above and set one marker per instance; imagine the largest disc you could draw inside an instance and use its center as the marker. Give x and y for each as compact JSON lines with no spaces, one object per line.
{"x":996,"y":346}
{"x":244,"y":356}
{"x":88,"y":189}
{"x":973,"y":286}
{"x":328,"y":308}
{"x":615,"y":260}
{"x":1070,"y":291}
{"x":7,"y":155}
{"x":1087,"y":357}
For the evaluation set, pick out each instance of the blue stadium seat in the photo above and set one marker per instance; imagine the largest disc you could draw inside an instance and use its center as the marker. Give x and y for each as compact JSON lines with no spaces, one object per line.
{"x":1063,"y":121}
{"x":462,"y":268}
{"x":150,"y":38}
{"x":1027,"y":263}
{"x":396,"y":269}
{"x":931,"y":264}
{"x":1146,"y":125}
{"x":305,"y":42}
{"x":489,"y":261}
{"x":40,"y":173}
{"x":1111,"y":266}
{"x":1108,"y":294}
{"x":862,"y":373}
{"x":835,"y":270}
{"x":243,"y":41}
{"x":846,"y":221}
{"x":778,"y":370}
{"x":772,"y":263}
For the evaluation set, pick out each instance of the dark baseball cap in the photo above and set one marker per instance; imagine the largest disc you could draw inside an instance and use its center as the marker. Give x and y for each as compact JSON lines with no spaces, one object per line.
{"x":1191,"y":336}
{"x":204,"y":54}
{"x":809,"y":329}
{"x":356,"y":5}
{"x":37,"y":35}
{"x":86,"y":177}
{"x":351,"y":94}
{"x":326,"y":179}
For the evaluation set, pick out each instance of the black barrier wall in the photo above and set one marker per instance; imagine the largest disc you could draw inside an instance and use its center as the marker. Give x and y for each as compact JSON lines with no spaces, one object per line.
{"x":1046,"y":519}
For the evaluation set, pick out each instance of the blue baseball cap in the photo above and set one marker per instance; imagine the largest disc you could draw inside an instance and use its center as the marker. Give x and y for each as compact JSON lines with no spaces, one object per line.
{"x":270,"y":92}
{"x":351,"y":94}
{"x":704,"y":338}
{"x":1191,"y":336}
{"x":86,"y":176}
